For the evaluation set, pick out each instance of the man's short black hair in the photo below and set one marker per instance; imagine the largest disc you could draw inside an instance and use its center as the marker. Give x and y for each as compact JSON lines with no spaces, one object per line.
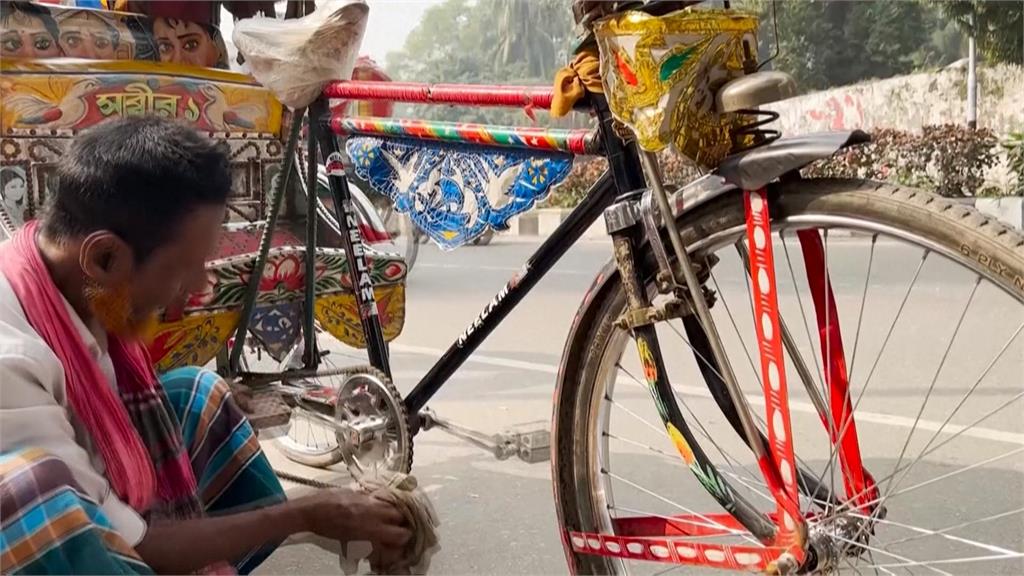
{"x":138,"y":177}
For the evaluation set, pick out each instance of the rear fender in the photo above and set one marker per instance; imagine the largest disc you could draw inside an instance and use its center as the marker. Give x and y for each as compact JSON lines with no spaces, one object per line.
{"x":754,"y":168}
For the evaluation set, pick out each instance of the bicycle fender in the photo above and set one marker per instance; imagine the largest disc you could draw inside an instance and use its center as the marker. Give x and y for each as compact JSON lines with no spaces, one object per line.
{"x":754,"y":168}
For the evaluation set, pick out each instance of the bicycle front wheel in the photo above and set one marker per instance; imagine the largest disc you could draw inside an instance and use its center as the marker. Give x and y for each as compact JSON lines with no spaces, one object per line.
{"x":926,"y":299}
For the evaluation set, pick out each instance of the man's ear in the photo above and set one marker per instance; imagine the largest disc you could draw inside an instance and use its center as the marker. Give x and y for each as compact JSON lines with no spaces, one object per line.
{"x":106,"y":259}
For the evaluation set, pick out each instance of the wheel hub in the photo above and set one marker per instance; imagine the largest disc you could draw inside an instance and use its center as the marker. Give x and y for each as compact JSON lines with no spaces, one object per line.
{"x":832,"y":540}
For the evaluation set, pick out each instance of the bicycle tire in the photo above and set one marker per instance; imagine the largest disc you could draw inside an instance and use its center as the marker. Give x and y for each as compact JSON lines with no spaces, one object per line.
{"x":991,"y":249}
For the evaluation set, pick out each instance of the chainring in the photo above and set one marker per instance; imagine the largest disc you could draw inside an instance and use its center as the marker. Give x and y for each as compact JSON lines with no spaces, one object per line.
{"x":368,"y":398}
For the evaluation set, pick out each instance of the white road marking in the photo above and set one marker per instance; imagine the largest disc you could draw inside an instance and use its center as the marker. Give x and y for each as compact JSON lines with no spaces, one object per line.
{"x":554,"y":271}
{"x":865,"y":417}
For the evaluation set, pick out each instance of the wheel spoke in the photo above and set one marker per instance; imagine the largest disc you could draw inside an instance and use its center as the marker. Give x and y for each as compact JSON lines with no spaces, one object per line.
{"x":728,"y":458}
{"x":890,"y":484}
{"x":952,"y":437}
{"x":883,"y":499}
{"x":707,"y":362}
{"x":854,"y":543}
{"x":863,"y":302}
{"x":712,"y":524}
{"x":932,"y":563}
{"x":885,"y":342}
{"x":924,"y":533}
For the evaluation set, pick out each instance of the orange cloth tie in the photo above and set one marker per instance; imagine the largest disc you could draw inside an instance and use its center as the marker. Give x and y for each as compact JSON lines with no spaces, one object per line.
{"x":573,"y":82}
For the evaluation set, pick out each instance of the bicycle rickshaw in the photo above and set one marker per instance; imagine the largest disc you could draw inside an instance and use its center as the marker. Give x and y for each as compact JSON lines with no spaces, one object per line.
{"x":808,"y":485}
{"x":48,"y":97}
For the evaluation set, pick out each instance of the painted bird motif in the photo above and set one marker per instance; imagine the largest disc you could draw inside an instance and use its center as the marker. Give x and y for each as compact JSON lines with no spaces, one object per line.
{"x":35,"y":111}
{"x":222,"y":116}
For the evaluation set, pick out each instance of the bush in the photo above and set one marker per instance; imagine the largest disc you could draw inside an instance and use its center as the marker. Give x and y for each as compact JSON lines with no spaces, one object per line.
{"x":950,"y":160}
{"x":676,"y":169}
{"x":1014,"y":146}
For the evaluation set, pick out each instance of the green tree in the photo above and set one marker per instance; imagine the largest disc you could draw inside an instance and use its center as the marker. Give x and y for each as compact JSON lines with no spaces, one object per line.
{"x":826,"y":43}
{"x":532,"y":33}
{"x":998,"y":26}
{"x":483,"y":41}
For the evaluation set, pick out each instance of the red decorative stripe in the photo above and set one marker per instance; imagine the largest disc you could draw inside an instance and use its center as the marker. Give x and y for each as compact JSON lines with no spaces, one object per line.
{"x":459,"y":94}
{"x":681,"y":525}
{"x":780,"y":470}
{"x":843,"y":430}
{"x":674,"y":551}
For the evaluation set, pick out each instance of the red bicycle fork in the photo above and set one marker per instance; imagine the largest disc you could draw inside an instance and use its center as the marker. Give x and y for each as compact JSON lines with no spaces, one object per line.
{"x":680,"y":539}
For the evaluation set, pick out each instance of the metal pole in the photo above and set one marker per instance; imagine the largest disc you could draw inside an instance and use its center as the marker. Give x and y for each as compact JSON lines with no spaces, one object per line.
{"x":972,"y":79}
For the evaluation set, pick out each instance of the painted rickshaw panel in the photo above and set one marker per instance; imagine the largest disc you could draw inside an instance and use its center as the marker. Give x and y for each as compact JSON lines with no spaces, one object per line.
{"x":47,"y":100}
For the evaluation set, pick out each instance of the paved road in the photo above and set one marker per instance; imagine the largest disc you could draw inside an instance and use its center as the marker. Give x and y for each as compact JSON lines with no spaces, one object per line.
{"x":498,"y":517}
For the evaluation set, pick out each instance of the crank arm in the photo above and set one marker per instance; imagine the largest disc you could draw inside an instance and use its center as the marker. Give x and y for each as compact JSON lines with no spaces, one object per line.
{"x":531,"y":446}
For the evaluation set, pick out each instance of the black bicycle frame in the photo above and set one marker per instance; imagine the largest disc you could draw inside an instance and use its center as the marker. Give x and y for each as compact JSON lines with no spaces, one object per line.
{"x":624,"y":175}
{"x":352,"y":242}
{"x":600,"y":196}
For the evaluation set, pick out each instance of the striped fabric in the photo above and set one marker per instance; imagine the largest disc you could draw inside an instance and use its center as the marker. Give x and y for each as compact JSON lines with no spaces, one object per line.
{"x":49,"y":526}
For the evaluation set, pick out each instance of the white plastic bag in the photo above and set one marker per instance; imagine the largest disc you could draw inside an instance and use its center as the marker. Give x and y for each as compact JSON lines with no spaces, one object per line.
{"x":295,"y":58}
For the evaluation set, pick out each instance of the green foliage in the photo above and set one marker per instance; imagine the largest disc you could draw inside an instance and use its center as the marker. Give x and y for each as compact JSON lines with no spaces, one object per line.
{"x":676,"y":169}
{"x":826,"y":43}
{"x":950,"y":160}
{"x":484,"y":41}
{"x":1014,"y":147}
{"x":999,"y":29}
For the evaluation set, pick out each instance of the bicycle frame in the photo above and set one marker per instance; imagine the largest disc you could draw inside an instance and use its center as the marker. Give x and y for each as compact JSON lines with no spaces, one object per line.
{"x":783,"y":534}
{"x":599,"y":197}
{"x":619,"y":188}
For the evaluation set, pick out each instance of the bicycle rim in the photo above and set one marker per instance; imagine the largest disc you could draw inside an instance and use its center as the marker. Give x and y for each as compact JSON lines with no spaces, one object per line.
{"x":934,"y":395}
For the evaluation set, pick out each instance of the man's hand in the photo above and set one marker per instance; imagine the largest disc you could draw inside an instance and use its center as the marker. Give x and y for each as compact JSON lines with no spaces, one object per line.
{"x":349,"y":516}
{"x":341,"y":515}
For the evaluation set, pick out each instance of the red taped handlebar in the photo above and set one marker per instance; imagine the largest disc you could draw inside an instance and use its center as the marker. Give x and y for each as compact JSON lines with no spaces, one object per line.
{"x":457,"y":94}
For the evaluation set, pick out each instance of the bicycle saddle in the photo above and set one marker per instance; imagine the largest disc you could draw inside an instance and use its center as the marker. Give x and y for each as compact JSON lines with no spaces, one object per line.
{"x":295,"y":58}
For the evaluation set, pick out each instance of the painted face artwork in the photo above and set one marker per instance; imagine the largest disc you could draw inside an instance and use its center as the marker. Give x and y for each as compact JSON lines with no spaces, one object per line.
{"x":26,"y":35}
{"x":661,"y":75}
{"x":14,"y":193}
{"x":185,"y":42}
{"x":93,"y":35}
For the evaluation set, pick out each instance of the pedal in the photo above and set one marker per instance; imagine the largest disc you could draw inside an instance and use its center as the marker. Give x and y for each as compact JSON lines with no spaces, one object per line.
{"x":264,"y":408}
{"x":530,"y":442}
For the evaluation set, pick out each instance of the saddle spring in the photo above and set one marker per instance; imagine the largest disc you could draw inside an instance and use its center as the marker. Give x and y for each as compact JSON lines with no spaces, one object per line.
{"x":752,"y":132}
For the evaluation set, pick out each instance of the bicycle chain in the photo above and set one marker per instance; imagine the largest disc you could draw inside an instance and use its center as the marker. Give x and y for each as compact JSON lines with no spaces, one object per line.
{"x":305,"y":481}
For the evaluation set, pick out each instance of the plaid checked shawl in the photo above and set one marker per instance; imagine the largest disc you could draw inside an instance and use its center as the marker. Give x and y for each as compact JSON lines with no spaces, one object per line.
{"x":49,"y":525}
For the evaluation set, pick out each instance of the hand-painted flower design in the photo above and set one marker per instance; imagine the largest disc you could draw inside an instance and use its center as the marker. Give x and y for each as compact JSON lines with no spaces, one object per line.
{"x":9,"y":149}
{"x":283,"y":275}
{"x":393,"y":271}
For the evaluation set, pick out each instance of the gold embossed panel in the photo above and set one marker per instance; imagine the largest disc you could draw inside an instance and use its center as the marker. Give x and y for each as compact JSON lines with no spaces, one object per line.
{"x":660,"y":75}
